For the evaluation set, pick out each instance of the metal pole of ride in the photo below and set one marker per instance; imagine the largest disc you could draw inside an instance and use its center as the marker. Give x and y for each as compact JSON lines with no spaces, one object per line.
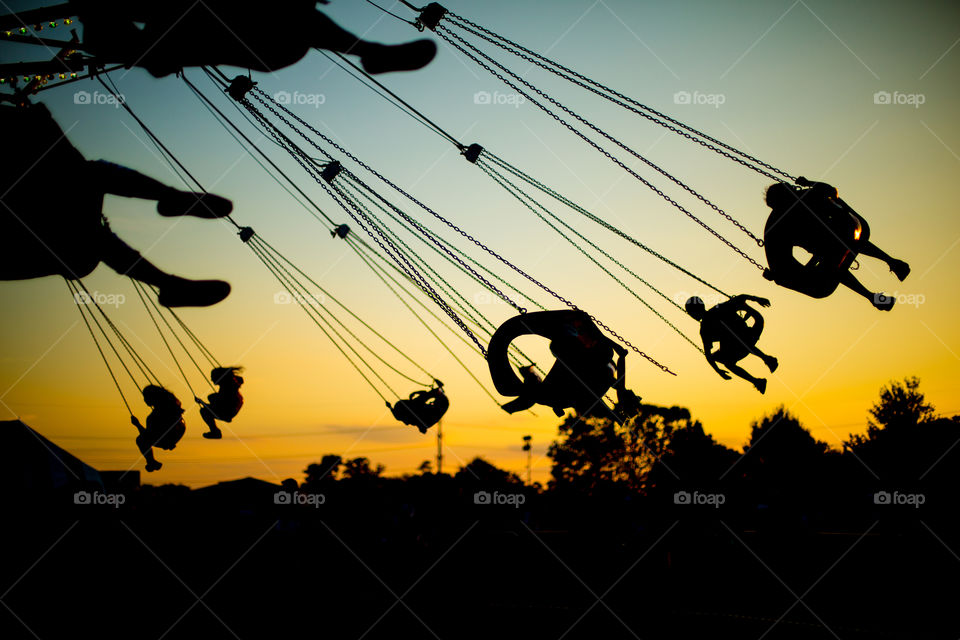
{"x":440,"y":447}
{"x":527,"y":447}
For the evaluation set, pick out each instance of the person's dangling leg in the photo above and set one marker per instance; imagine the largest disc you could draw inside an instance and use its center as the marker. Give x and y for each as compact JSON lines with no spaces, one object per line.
{"x":375,"y":57}
{"x":900,"y":268}
{"x":122,"y":181}
{"x":174,"y":290}
{"x":737,"y":370}
{"x":771,"y":362}
{"x":146,"y":449}
{"x":878,"y":300}
{"x":206,"y":412}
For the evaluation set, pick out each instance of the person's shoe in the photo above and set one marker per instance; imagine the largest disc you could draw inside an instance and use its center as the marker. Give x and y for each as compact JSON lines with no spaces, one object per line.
{"x":772,"y":364}
{"x":900,"y":269}
{"x":193,"y":293}
{"x":399,"y":57}
{"x":213,"y":434}
{"x":153,"y":466}
{"x":761,"y":385}
{"x":883,"y":302}
{"x":199,"y":205}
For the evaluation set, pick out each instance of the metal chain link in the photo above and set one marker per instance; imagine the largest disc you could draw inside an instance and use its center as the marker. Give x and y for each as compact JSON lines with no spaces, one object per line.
{"x":449,"y":36}
{"x":463,"y":233}
{"x":590,"y":216}
{"x":515,"y":191}
{"x":396,"y":255}
{"x":473,"y":313}
{"x":659,"y":118}
{"x":657,"y":168}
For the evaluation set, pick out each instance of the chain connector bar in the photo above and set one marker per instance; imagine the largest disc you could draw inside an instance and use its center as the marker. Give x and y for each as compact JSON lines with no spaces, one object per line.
{"x":472,"y":152}
{"x":240,"y":87}
{"x":331,"y":171}
{"x":430,"y":16}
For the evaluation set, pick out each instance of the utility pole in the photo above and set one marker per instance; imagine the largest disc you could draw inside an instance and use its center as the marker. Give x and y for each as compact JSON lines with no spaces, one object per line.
{"x":526,"y":447}
{"x":440,"y":447}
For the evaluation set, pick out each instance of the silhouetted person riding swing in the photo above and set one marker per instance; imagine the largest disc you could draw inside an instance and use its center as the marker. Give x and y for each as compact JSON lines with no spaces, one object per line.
{"x":422,"y":409}
{"x":225,"y":403}
{"x":583,"y":371}
{"x":814,"y":218}
{"x":165,"y":426}
{"x":51,"y":203}
{"x":734,"y":327}
{"x":262,"y":37}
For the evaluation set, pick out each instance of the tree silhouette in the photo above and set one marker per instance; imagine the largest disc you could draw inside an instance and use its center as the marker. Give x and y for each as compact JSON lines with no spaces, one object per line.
{"x":481,"y":473}
{"x":905,"y":442}
{"x":325,"y":471}
{"x":901,"y":405}
{"x":360,"y":469}
{"x":596,"y":454}
{"x":692,"y":459}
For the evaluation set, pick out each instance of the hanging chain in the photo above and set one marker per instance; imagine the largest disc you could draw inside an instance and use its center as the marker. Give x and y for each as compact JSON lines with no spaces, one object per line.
{"x":657,"y":117}
{"x":260,"y":94}
{"x":446,"y":34}
{"x":590,"y":216}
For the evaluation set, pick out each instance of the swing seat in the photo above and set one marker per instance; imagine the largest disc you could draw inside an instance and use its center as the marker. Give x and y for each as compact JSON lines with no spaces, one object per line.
{"x":826,"y":228}
{"x":582,"y":372}
{"x":422,"y":409}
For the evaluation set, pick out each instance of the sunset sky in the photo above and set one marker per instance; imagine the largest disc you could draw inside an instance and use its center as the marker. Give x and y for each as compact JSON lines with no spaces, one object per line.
{"x":793,"y":83}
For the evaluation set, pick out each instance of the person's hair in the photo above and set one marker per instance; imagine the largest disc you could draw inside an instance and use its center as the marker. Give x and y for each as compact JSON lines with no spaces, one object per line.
{"x":155,"y":395}
{"x":780,"y":195}
{"x":695,"y":306}
{"x":219,"y":374}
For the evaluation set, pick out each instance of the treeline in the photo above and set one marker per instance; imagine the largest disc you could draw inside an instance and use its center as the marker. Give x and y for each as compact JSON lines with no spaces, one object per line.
{"x":663,"y":463}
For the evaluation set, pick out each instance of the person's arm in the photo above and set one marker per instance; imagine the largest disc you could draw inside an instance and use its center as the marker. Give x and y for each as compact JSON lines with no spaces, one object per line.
{"x":763,"y":302}
{"x":136,"y":422}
